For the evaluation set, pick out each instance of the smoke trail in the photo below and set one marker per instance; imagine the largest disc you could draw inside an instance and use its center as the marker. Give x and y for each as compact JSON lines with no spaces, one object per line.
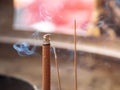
{"x":24,"y":49}
{"x":55,"y":54}
{"x":35,"y":35}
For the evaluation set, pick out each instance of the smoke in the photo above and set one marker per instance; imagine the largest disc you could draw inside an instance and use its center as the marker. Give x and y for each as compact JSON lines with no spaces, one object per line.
{"x":55,"y":53}
{"x":23,"y":48}
{"x":62,"y":54}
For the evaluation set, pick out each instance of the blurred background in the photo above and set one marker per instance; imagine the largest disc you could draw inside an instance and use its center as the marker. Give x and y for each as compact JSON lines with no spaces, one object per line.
{"x":21,"y":32}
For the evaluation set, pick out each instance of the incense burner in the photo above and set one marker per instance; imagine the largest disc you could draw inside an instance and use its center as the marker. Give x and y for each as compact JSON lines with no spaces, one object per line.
{"x":12,"y":83}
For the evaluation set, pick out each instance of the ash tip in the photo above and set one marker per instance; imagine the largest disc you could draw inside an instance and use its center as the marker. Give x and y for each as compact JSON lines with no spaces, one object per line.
{"x":46,"y":39}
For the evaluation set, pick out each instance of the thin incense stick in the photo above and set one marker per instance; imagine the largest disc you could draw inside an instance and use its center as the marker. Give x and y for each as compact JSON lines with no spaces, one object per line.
{"x":46,"y":73}
{"x":57,"y":69}
{"x":75,"y":60}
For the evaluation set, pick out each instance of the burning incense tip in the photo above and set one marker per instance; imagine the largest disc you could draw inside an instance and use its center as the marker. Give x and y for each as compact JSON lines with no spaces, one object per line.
{"x":46,"y":38}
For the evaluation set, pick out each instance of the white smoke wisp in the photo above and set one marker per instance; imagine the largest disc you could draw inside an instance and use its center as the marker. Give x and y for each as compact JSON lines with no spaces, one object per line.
{"x":55,"y":53}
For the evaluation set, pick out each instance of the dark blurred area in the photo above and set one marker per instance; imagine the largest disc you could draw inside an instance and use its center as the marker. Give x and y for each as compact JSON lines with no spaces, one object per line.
{"x":95,"y":72}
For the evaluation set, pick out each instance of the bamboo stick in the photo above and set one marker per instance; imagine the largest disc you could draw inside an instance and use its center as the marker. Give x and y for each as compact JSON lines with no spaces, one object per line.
{"x":57,"y":69}
{"x":75,"y":60}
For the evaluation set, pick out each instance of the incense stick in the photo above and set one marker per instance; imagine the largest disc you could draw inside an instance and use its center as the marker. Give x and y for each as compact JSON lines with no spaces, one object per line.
{"x":57,"y":69}
{"x":46,"y":73}
{"x":75,"y":60}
